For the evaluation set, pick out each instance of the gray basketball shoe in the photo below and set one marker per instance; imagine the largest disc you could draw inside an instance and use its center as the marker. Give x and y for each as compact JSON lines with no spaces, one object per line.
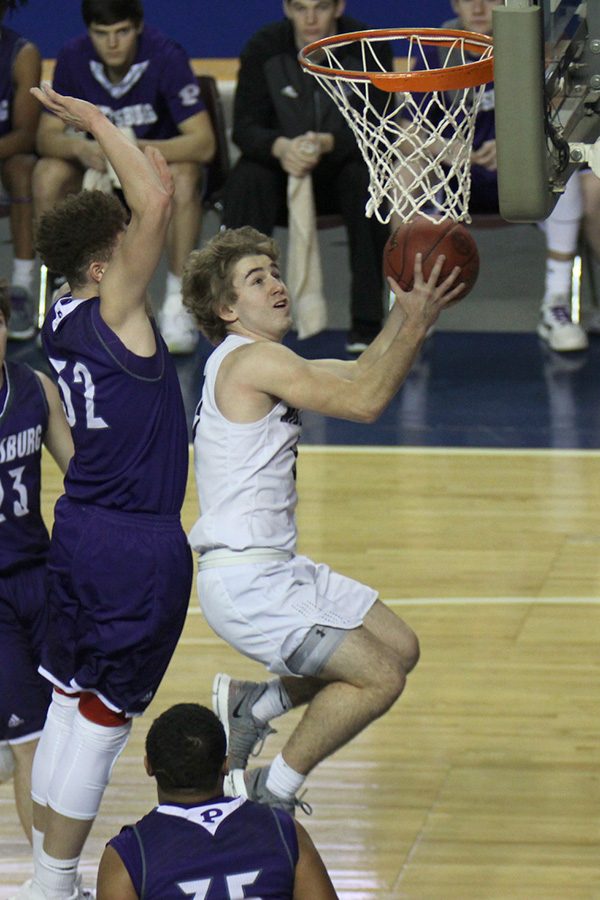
{"x":232,"y":702}
{"x":252,"y":784}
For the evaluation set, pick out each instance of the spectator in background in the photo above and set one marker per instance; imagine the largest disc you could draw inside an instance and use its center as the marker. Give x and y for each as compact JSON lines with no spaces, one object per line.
{"x":31,"y":415}
{"x":285,"y":124}
{"x":144,"y":81}
{"x":198,"y":842}
{"x":561,"y":228}
{"x":20,"y":70}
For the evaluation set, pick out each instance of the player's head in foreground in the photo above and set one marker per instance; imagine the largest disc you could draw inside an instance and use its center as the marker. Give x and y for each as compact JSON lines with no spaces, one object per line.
{"x":186,"y":751}
{"x":78,"y":236}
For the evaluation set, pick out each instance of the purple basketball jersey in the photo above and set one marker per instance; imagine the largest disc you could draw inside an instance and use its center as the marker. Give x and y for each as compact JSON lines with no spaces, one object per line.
{"x":158,"y":92}
{"x":125,"y":411}
{"x":227,"y":847}
{"x":10,"y":44}
{"x":23,"y":423}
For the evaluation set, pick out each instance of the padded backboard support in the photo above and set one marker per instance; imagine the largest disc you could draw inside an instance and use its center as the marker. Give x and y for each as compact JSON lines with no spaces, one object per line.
{"x":547,"y":85}
{"x":520,"y":134}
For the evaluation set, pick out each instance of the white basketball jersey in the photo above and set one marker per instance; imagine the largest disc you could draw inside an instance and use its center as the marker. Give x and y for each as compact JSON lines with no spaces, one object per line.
{"x":245,"y":472}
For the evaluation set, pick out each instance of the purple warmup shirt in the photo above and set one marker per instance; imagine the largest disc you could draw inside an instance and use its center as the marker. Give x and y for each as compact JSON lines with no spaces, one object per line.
{"x":227,"y":847}
{"x":158,"y":93}
{"x":23,"y":424}
{"x":10,"y":44}
{"x":125,"y":412}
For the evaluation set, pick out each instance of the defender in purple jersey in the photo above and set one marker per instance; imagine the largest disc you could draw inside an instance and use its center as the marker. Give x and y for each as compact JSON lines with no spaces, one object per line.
{"x":119,"y":566}
{"x":31,"y":415}
{"x":197,"y":842}
{"x":20,"y":70}
{"x":143,"y":81}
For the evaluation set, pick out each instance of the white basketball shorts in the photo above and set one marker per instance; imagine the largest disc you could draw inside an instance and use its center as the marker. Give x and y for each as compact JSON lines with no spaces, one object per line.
{"x":266,"y":609}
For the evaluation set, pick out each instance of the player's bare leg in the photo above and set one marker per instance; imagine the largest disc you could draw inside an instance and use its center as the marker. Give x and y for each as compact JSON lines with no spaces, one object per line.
{"x":365,"y":676}
{"x":17,"y":173}
{"x":53,"y":179}
{"x":184,"y":227}
{"x":64,"y":837}
{"x":24,"y":754}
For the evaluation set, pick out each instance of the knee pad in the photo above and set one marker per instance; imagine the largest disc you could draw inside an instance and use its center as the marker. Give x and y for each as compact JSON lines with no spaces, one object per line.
{"x":79,"y":780}
{"x":54,"y":738}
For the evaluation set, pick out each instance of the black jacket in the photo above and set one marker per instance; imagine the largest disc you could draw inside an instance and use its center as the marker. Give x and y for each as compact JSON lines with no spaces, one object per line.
{"x":275,"y":97}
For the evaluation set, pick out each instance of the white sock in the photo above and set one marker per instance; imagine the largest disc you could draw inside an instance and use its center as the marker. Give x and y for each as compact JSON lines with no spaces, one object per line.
{"x":56,"y":877}
{"x":272,"y":703}
{"x":23,"y":273}
{"x":558,"y":280}
{"x":173,"y":285}
{"x":282,"y":780}
{"x":37,"y":842}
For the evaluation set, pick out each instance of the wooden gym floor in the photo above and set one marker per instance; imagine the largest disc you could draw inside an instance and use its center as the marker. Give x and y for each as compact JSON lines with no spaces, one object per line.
{"x":482,"y":782}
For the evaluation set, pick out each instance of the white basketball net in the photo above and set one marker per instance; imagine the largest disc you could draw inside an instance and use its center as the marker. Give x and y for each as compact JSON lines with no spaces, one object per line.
{"x":417,"y":146}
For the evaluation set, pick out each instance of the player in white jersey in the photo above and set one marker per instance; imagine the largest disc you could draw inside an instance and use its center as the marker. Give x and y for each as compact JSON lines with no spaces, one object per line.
{"x":334,"y":645}
{"x":255,"y":507}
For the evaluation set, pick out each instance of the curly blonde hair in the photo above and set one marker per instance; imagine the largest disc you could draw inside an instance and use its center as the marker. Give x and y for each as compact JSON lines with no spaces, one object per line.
{"x":207,"y":282}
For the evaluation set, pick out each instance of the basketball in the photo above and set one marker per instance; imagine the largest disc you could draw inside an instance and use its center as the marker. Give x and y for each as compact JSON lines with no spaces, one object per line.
{"x":431,"y":239}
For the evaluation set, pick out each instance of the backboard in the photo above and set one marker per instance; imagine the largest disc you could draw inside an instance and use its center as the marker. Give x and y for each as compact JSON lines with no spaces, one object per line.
{"x":547,"y":85}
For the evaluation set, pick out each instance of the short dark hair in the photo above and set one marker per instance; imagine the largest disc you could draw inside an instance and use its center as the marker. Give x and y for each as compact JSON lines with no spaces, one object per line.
{"x":186,"y":749}
{"x":207,"y":282}
{"x":4,"y":299}
{"x":78,"y":230}
{"x":107,"y":12}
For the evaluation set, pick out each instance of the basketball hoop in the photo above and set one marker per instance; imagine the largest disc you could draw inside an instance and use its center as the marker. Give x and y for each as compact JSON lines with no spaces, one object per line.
{"x":414,"y":129}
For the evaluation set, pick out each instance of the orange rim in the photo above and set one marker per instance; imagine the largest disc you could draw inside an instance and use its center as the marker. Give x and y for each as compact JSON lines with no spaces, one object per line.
{"x":467,"y":75}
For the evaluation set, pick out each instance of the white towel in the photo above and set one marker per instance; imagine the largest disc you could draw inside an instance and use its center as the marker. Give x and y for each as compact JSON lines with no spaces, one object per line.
{"x":304,"y":277}
{"x":93,"y":180}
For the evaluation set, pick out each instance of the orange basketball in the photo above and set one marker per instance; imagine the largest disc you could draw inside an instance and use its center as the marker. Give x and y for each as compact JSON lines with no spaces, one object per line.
{"x":431,"y":239}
